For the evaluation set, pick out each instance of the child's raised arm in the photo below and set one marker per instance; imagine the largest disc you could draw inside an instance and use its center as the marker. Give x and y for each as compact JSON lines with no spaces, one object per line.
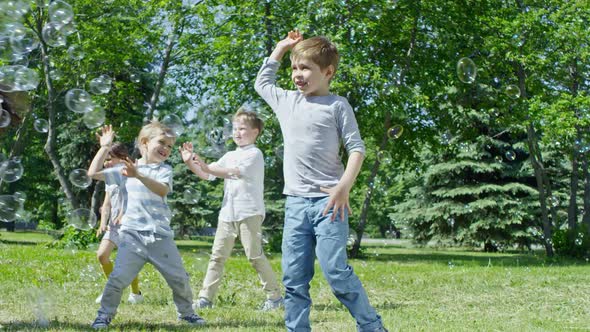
{"x":293,"y":37}
{"x":106,"y":140}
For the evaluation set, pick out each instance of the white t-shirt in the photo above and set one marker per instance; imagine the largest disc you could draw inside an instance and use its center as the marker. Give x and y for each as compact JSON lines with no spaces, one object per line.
{"x":146,"y":210}
{"x":243,"y":196}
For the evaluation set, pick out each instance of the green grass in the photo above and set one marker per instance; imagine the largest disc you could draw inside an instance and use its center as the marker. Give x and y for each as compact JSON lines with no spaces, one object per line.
{"x":413,"y":289}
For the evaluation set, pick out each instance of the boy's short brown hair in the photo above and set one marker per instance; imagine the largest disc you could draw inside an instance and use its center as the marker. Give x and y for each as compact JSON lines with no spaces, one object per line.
{"x":318,"y":49}
{"x":251,"y":118}
{"x":119,"y":150}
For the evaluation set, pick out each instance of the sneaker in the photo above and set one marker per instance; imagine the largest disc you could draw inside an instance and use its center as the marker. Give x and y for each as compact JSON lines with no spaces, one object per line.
{"x":202,"y":303}
{"x":269,"y":304}
{"x":101,"y":322}
{"x":98,"y":299}
{"x":135,"y":298}
{"x":193,"y":319}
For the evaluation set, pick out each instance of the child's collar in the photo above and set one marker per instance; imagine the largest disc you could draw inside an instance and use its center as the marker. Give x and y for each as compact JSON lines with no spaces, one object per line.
{"x":246,"y":147}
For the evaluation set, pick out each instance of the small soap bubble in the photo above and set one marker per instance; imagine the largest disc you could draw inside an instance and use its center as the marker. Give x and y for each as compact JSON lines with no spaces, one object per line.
{"x":395,"y":132}
{"x":466,"y":70}
{"x":41,"y":125}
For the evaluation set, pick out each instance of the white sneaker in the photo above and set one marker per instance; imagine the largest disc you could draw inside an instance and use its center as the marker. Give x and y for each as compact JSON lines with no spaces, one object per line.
{"x":269,"y":304}
{"x":135,"y":298}
{"x":98,"y":299}
{"x":202,"y":303}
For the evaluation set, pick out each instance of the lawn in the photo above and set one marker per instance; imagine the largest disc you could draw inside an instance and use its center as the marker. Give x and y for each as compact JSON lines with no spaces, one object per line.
{"x":413,"y":289}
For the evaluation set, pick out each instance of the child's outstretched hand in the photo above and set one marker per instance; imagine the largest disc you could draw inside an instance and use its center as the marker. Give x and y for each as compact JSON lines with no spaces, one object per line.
{"x":186,"y":151}
{"x":130,"y":168}
{"x":202,"y":164}
{"x":338,"y":200}
{"x":293,"y":37}
{"x":107,"y":136}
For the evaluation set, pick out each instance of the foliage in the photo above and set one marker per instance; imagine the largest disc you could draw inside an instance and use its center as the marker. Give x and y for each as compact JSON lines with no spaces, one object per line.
{"x":572,"y":242}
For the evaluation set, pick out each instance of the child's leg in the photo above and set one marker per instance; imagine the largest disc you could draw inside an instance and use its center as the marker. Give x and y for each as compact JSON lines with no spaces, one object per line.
{"x":164,"y":255}
{"x":251,"y":237}
{"x":331,"y":252}
{"x":135,"y":286}
{"x":131,"y":257}
{"x":104,"y":256}
{"x":297,"y":263}
{"x":225,"y":238}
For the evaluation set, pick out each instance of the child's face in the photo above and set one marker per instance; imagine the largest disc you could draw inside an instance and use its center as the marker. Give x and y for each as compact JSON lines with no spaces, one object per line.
{"x":158,"y":148}
{"x":243,"y":133}
{"x":309,"y":79}
{"x":111,"y":161}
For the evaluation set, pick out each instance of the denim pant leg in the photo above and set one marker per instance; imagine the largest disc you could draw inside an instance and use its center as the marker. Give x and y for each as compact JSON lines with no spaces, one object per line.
{"x":331,"y":239}
{"x":297,"y":263}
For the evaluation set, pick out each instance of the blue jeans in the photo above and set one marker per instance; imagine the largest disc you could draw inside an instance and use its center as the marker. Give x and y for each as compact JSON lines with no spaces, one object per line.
{"x":308,"y":234}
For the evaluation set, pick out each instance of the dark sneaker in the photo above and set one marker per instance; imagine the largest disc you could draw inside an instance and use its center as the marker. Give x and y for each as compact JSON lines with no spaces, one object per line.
{"x":202,"y":303}
{"x":269,"y":304}
{"x":101,"y":322}
{"x":193,"y":319}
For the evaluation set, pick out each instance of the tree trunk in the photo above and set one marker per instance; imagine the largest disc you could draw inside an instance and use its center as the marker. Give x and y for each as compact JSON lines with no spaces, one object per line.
{"x":163,"y":70}
{"x":572,"y":211}
{"x":543,"y":183}
{"x":52,"y":134}
{"x":375,"y":168}
{"x":586,"y":217}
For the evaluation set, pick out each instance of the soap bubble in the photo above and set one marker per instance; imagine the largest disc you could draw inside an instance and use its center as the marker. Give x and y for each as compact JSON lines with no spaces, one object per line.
{"x":41,"y":125}
{"x":466,"y":70}
{"x":395,"y":132}
{"x":79,"y":178}
{"x":60,"y":12}
{"x":79,"y":101}
{"x":52,"y":35}
{"x":174,"y":122}
{"x":95,"y":118}
{"x":82,"y":219}
{"x":11,"y":170}
{"x":100,"y":85}
{"x":513,"y":91}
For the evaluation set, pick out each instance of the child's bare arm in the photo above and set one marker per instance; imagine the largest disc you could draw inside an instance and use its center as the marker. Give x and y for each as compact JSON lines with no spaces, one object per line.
{"x":130,"y":170}
{"x":97,"y":164}
{"x":283,"y":46}
{"x":216,"y":170}
{"x":186,"y":151}
{"x":339,"y":195}
{"x":105,"y":212}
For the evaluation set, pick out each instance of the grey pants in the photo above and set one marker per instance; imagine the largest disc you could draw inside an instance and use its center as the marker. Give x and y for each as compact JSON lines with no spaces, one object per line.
{"x":137,"y":248}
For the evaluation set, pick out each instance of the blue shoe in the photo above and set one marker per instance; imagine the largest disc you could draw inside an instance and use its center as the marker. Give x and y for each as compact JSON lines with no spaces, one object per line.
{"x":101,"y":322}
{"x":193,"y":319}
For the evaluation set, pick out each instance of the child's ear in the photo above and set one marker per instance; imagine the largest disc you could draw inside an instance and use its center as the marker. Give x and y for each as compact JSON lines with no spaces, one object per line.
{"x":330,"y":71}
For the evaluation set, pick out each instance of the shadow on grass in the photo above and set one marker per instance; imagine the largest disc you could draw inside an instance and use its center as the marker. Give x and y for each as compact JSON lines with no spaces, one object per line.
{"x":475,"y":259}
{"x":126,"y":326}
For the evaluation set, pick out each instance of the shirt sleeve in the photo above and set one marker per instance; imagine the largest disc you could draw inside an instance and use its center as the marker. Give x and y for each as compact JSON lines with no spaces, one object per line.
{"x":266,"y":86}
{"x":112,"y":175}
{"x":164,"y":175}
{"x":251,"y":164}
{"x":349,"y":130}
{"x":221,"y":162}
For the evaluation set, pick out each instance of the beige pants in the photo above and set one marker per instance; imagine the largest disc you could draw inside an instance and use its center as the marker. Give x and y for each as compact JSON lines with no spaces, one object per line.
{"x":250,"y":232}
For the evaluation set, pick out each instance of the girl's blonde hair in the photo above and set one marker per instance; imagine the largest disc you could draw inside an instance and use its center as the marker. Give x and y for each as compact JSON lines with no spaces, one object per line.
{"x":151,"y":130}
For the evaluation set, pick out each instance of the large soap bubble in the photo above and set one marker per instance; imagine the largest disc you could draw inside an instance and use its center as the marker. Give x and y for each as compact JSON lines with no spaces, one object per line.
{"x":79,"y":101}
